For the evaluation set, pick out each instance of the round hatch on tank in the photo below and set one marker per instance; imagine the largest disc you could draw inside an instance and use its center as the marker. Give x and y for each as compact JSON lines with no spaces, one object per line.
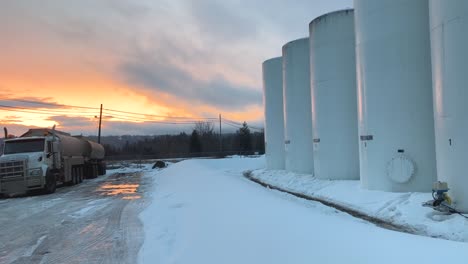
{"x":400,"y":168}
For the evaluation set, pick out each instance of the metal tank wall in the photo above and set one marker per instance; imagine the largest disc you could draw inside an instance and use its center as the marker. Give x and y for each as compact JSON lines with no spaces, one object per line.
{"x":449,"y":43}
{"x":297,"y":107}
{"x":395,"y":112}
{"x":97,"y":150}
{"x":273,"y":109}
{"x":94,"y":150}
{"x":334,"y":100}
{"x":72,"y":147}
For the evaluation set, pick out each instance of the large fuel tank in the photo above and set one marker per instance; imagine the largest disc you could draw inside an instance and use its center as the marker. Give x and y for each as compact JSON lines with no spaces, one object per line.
{"x":449,"y":43}
{"x":334,"y":100}
{"x":94,"y":150}
{"x":274,"y":117}
{"x":299,"y":155}
{"x":97,"y":150}
{"x":72,"y":146}
{"x":395,"y":113}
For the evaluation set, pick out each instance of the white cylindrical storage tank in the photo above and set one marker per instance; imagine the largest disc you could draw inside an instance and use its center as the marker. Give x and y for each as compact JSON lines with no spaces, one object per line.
{"x":334,"y":100}
{"x":297,"y":107}
{"x":395,"y":112}
{"x":449,"y":43}
{"x":273,"y":109}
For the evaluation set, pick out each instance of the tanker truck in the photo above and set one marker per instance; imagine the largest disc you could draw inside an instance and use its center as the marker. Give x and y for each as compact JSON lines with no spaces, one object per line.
{"x":41,"y":159}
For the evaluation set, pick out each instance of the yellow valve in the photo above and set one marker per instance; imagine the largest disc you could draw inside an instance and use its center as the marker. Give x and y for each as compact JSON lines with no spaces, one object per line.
{"x":447,"y":198}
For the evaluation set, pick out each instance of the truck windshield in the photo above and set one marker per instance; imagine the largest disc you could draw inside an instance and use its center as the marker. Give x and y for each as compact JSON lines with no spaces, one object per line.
{"x":22,"y":146}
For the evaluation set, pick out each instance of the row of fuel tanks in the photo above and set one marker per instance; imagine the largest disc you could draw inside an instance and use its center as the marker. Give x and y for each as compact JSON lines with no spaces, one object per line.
{"x":361,"y":96}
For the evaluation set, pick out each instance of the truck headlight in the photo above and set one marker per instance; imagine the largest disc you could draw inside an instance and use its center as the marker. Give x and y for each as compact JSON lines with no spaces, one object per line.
{"x":35,"y":172}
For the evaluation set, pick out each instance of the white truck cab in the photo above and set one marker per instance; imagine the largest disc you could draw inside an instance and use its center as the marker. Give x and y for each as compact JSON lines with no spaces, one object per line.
{"x":25,"y":163}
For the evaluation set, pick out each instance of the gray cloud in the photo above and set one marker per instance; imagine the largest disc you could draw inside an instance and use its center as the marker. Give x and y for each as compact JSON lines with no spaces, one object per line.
{"x":73,"y":122}
{"x":286,"y":18}
{"x":217,"y":19}
{"x":129,"y":9}
{"x":159,"y":75}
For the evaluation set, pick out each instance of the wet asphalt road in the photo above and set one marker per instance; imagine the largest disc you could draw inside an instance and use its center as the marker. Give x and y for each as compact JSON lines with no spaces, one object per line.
{"x":94,"y":222}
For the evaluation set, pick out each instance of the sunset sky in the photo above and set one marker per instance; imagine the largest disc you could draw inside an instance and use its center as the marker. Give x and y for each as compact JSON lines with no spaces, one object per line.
{"x":179,"y":58}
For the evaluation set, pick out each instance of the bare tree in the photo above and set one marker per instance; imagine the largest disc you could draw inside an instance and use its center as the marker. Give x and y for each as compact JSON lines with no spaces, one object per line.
{"x":207,"y":136}
{"x":204,"y":128}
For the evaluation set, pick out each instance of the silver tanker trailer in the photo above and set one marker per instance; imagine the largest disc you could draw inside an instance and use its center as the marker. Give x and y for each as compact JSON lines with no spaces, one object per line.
{"x":42,"y":158}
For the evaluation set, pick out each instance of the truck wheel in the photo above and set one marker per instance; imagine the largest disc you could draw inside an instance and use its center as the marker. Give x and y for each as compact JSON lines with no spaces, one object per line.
{"x":80,"y":174}
{"x":101,"y":168}
{"x":88,"y":171}
{"x":92,"y":171}
{"x":77,"y":176}
{"x":74,"y":177}
{"x":51,"y":183}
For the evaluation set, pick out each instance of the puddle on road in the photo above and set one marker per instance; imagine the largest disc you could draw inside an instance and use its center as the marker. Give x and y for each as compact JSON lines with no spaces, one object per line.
{"x":127,"y":189}
{"x":135,"y":197}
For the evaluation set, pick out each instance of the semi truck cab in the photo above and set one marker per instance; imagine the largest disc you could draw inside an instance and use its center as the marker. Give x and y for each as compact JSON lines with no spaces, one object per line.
{"x":25,"y":163}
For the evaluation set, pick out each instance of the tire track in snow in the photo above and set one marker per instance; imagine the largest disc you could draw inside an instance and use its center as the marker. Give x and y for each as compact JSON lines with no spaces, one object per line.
{"x":374,"y":220}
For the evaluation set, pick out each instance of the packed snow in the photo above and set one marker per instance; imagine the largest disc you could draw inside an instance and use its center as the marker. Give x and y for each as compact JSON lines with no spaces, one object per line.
{"x":404,"y":209}
{"x":205,"y":211}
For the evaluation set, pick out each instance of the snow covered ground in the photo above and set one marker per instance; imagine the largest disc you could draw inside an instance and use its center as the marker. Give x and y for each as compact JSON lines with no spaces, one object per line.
{"x":204,"y":211}
{"x":404,"y":209}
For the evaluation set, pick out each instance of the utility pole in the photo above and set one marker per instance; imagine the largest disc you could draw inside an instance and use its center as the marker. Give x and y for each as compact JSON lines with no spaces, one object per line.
{"x":100,"y":120}
{"x":220,"y":136}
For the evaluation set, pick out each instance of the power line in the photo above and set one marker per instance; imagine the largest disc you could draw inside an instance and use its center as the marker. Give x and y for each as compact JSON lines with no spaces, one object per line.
{"x":234,"y":122}
{"x":111,"y":118}
{"x":144,"y":119}
{"x":62,"y":111}
{"x":55,"y":111}
{"x":110,"y":110}
{"x":234,"y":126}
{"x":117,"y":118}
{"x":241,"y":124}
{"x":159,"y":116}
{"x":124,"y":116}
{"x":116,"y":115}
{"x":52,"y":104}
{"x":30,"y":111}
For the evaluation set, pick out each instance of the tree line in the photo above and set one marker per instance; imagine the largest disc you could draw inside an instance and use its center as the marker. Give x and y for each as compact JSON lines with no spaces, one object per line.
{"x":203,"y":141}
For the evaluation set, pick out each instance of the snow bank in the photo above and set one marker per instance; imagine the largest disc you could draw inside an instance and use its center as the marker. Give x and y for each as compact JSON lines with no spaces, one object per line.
{"x":404,"y":209}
